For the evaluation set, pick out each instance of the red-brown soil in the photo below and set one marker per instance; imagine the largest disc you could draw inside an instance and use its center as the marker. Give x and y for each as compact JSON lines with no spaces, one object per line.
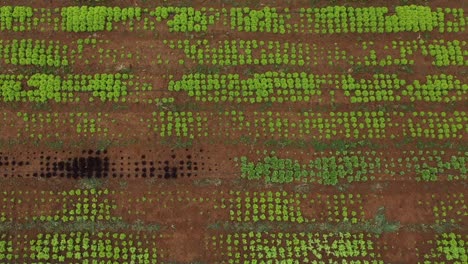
{"x":186,"y":224}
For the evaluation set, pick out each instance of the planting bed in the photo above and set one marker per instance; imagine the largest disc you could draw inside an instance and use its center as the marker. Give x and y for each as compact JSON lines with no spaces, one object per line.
{"x":306,"y":131}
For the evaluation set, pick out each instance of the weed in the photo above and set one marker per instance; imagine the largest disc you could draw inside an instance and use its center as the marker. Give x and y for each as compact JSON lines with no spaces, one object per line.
{"x":55,"y":144}
{"x":208,"y":182}
{"x":103,"y":144}
{"x":90,"y":183}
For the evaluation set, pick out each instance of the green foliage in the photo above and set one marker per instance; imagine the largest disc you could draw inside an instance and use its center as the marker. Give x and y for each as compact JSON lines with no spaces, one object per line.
{"x":52,"y":87}
{"x":269,"y":87}
{"x":180,"y":124}
{"x":354,"y":167}
{"x":15,"y":18}
{"x":298,"y":247}
{"x":38,"y":52}
{"x":450,"y":247}
{"x":447,"y":53}
{"x":266,"y":206}
{"x":448,"y":209}
{"x":98,"y":18}
{"x":185,"y":19}
{"x":344,"y":19}
{"x":6,"y":248}
{"x":82,"y":205}
{"x":330,"y":19}
{"x":75,"y":246}
{"x":264,"y":20}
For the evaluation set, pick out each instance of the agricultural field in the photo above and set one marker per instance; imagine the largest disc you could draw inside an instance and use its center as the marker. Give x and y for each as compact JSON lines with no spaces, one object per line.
{"x":221,"y":131}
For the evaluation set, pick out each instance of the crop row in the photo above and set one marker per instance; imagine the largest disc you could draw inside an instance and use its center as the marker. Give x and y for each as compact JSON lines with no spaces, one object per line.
{"x":447,"y":248}
{"x":186,"y":19}
{"x":355,"y":167}
{"x":256,"y":247}
{"x":447,"y":209}
{"x":100,"y":206}
{"x":257,"y":206}
{"x":248,"y":52}
{"x":51,"y":87}
{"x":15,"y":18}
{"x":236,"y":52}
{"x":98,"y":18}
{"x":43,"y":88}
{"x":289,"y":207}
{"x":40,"y":52}
{"x":56,"y":54}
{"x":253,"y":52}
{"x":271,"y":125}
{"x":266,"y":125}
{"x":81,"y":205}
{"x":73,"y":205}
{"x":29,"y":52}
{"x":325,"y":20}
{"x":265,"y":87}
{"x":78,"y":247}
{"x":442,"y":52}
{"x":241,"y":247}
{"x":342,"y":19}
{"x":265,"y":206}
{"x":300,"y":87}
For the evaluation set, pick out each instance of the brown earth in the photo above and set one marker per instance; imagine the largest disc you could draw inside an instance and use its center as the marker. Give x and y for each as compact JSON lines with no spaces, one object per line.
{"x":187,"y":225}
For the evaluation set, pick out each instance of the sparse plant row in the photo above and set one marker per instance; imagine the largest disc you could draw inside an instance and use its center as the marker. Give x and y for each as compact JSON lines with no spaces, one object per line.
{"x":183,"y":124}
{"x":288,"y":207}
{"x":356,"y":167}
{"x":43,"y":126}
{"x":266,"y":247}
{"x":69,"y":206}
{"x":47,"y":247}
{"x":265,"y":206}
{"x":56,"y":54}
{"x":101,"y":205}
{"x":302,"y":87}
{"x":60,"y":56}
{"x":449,"y":209}
{"x":446,"y":248}
{"x":40,"y":52}
{"x":354,"y":125}
{"x":437,"y":88}
{"x":253,"y":52}
{"x":250,"y":52}
{"x":325,"y":20}
{"x":232,"y":53}
{"x":237,"y":206}
{"x":236,"y":52}
{"x":168,"y":202}
{"x":443,"y":53}
{"x":95,"y":206}
{"x":78,"y":247}
{"x":76,"y":205}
